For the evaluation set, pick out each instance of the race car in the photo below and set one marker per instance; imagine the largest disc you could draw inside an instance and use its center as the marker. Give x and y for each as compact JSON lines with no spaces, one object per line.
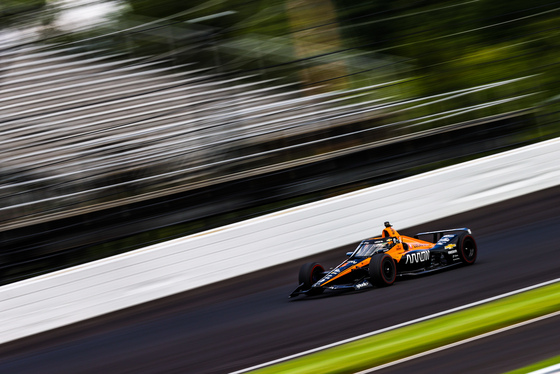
{"x":378,"y":261}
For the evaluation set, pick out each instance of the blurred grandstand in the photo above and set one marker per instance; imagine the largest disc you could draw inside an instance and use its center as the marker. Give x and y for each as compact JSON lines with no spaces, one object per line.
{"x":110,"y":135}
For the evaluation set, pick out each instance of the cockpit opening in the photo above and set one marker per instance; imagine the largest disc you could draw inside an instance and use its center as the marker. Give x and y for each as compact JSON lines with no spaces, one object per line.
{"x":369,"y":248}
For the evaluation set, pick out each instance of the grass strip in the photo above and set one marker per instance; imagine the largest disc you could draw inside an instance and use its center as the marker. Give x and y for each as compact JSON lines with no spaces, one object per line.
{"x":539,"y":365}
{"x":396,"y":344}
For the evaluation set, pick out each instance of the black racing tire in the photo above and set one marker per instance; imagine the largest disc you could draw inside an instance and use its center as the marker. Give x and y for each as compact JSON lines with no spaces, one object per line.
{"x":382,"y":270}
{"x":309,"y":273}
{"x":467,"y":249}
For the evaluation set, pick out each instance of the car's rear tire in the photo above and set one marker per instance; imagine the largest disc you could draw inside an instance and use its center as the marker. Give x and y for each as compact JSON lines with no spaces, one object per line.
{"x":467,"y":249}
{"x":382,"y":270}
{"x":309,"y":274}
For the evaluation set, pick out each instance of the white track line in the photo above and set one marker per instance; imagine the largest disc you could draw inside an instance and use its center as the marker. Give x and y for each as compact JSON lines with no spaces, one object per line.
{"x":376,"y":332}
{"x":442,"y":348}
{"x":549,"y":370}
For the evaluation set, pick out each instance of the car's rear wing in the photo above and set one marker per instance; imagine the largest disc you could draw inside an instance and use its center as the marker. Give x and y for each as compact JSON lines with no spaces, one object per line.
{"x":437,"y":235}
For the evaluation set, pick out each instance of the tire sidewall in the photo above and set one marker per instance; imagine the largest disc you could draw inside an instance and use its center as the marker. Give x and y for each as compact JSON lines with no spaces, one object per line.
{"x":307,"y":271}
{"x":464,"y":241}
{"x":377,"y":273}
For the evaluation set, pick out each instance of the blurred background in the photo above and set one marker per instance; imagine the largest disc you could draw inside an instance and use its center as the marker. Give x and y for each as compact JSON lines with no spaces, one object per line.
{"x":126,"y":123}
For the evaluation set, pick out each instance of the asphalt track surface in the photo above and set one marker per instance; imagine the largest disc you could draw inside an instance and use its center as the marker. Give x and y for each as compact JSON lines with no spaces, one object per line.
{"x":249,"y":320}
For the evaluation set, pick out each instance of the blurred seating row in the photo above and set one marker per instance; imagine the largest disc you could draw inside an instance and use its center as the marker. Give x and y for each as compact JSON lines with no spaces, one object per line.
{"x":84,"y":129}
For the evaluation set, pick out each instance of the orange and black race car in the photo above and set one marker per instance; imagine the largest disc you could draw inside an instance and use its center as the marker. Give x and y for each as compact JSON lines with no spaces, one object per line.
{"x":378,"y":261}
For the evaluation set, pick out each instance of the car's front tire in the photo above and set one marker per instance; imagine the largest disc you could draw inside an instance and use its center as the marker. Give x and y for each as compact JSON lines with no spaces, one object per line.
{"x":309,"y":274}
{"x":382,"y":270}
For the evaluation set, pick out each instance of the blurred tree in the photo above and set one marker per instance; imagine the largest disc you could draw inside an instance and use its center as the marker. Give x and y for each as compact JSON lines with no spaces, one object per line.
{"x":166,"y":8}
{"x":447,"y":45}
{"x":363,"y":21}
{"x":508,"y":17}
{"x":204,"y":11}
{"x":314,"y":31}
{"x":11,"y":9}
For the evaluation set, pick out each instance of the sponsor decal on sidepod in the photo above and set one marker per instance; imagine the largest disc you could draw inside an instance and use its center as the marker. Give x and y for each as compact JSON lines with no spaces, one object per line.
{"x":420,"y":256}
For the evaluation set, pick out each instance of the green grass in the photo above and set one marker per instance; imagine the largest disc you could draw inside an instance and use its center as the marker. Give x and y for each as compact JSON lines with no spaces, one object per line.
{"x":540,"y":365}
{"x":417,"y":338}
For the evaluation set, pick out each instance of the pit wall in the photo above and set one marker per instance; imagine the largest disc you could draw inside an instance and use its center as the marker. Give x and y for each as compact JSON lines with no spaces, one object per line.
{"x":75,"y":294}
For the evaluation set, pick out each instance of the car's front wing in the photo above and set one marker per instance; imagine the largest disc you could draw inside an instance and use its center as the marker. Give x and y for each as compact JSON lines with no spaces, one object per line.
{"x":358,"y":285}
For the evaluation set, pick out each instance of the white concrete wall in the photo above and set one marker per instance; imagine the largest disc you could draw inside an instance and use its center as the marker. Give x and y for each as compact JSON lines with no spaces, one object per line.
{"x":57,"y":299}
